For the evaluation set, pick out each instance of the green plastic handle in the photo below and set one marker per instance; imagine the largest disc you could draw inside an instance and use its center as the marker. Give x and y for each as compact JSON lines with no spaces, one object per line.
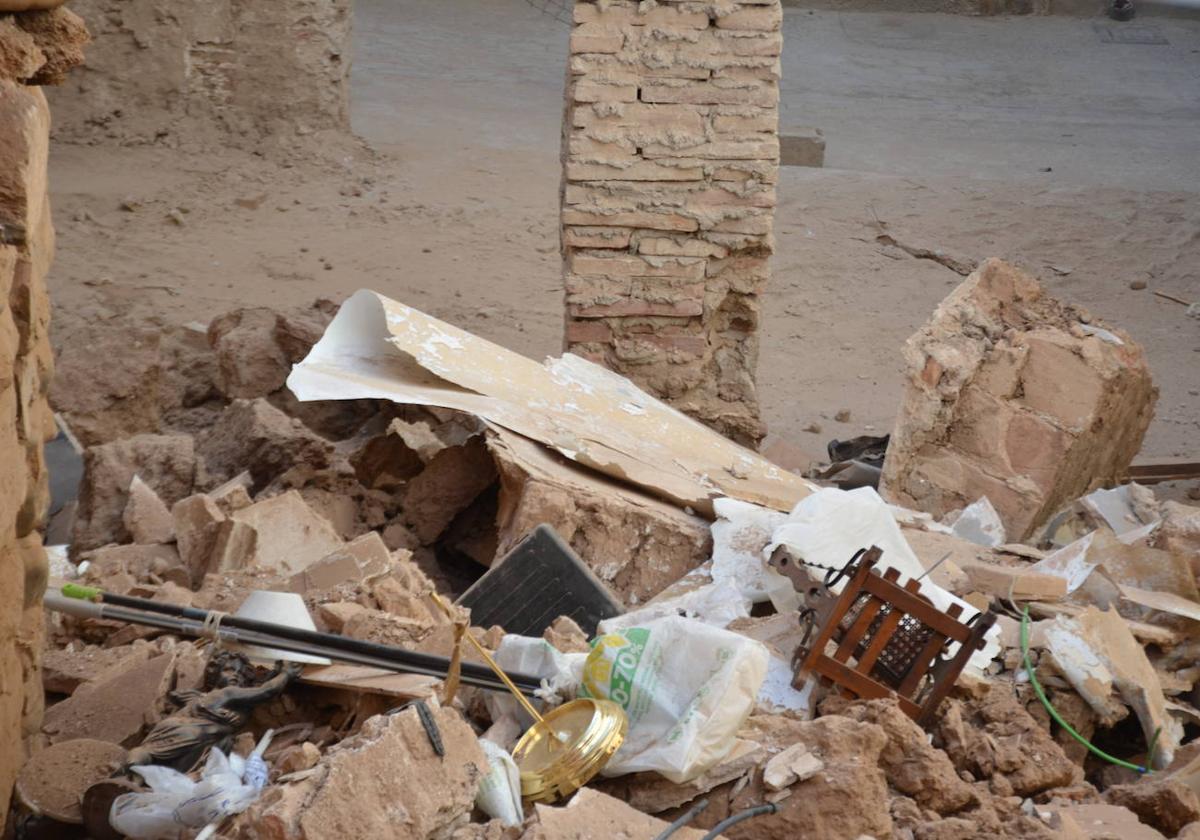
{"x":83,"y":593}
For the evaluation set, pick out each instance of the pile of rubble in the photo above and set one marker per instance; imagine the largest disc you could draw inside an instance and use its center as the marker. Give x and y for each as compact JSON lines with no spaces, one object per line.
{"x":422,"y":456}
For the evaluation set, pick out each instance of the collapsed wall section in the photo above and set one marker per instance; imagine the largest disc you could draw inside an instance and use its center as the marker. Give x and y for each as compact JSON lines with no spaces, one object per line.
{"x":35,"y":47}
{"x":670,"y":157}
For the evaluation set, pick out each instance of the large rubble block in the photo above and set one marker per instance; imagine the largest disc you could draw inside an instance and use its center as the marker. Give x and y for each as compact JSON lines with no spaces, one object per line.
{"x":36,"y":47}
{"x":387,"y":781}
{"x":671,"y":153}
{"x":636,"y":544}
{"x":1017,"y":397}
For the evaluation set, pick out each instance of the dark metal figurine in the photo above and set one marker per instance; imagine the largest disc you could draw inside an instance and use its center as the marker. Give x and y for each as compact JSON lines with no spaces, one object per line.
{"x":211,"y":717}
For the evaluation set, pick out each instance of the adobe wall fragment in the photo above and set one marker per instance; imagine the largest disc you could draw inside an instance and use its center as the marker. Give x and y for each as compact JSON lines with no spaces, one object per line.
{"x":1015,"y":396}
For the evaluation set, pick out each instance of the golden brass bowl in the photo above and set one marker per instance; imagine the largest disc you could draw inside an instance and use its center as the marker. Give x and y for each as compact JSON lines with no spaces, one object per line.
{"x":568,"y":748}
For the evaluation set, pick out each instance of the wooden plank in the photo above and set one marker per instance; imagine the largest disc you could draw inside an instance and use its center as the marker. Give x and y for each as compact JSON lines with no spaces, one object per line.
{"x":921,"y":666}
{"x":1167,"y":469}
{"x":858,"y":629}
{"x":368,"y":680}
{"x":882,"y":636}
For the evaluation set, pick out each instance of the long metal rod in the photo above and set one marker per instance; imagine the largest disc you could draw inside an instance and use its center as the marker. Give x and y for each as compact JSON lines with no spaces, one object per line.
{"x":197,"y":623}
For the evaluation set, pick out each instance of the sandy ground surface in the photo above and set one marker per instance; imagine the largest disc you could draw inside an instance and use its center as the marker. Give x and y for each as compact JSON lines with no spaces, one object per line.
{"x":1039,"y":140}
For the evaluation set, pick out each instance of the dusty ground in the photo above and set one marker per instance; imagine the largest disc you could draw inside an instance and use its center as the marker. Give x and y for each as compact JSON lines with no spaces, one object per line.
{"x":940,"y":129}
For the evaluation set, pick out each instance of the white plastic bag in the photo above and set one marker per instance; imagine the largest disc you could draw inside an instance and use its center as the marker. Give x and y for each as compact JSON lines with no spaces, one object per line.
{"x":686,"y":686}
{"x":559,"y":673}
{"x":499,"y":793}
{"x":176,"y":804}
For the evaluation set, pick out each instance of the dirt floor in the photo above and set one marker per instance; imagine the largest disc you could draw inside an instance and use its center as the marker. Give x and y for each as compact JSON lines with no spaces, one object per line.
{"x":1046,"y":141}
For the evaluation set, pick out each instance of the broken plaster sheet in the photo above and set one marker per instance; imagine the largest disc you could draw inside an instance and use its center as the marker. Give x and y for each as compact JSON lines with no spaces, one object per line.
{"x":1095,"y":651}
{"x":831,"y":526}
{"x":979,"y":523}
{"x":1163,"y":601}
{"x":1070,"y":563}
{"x":377,"y":348}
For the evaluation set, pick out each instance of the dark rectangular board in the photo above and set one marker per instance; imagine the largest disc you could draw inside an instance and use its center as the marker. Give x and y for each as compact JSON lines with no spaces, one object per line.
{"x":535,"y":583}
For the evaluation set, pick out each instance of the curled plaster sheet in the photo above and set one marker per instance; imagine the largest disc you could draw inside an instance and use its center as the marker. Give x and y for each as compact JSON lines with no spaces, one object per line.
{"x":379,"y":349}
{"x":1095,"y":651}
{"x":831,"y":525}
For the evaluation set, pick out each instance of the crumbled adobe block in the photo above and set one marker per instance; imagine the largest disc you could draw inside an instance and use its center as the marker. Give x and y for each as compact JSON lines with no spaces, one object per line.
{"x":685,"y":267}
{"x":597,"y":92}
{"x":597,"y":237}
{"x":633,"y":219}
{"x":631,"y":306}
{"x":766,"y":148}
{"x":760,"y":94}
{"x":590,"y":38}
{"x":1009,"y":398}
{"x":647,"y":170}
{"x":765,"y":19}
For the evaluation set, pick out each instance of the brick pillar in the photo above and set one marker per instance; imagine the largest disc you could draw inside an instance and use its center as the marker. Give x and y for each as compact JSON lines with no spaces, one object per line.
{"x":670,"y":159}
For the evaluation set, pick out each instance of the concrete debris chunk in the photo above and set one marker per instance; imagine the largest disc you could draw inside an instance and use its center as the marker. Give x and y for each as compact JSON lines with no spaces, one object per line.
{"x":794,"y":764}
{"x":992,"y":736}
{"x":850,"y":751}
{"x":117,"y":709}
{"x":166,"y":463}
{"x":106,"y":382}
{"x":256,"y":437}
{"x":1160,"y":801}
{"x":65,"y":669}
{"x":146,"y":516}
{"x":1096,"y":652}
{"x":385,"y":781}
{"x":610,"y":527}
{"x":290,"y":535}
{"x":196,"y":519}
{"x":1004,"y":399}
{"x":592,"y":815}
{"x":913,"y":765}
{"x":54,"y":780}
{"x":446,"y":486}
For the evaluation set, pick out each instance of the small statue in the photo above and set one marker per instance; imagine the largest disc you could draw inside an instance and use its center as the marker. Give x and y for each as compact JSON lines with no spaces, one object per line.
{"x":210,"y":717}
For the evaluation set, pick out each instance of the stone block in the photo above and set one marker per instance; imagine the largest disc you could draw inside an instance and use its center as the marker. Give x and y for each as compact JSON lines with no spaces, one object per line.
{"x":1004,"y":399}
{"x":802,"y":147}
{"x":166,"y":463}
{"x":597,"y":237}
{"x":711,"y":93}
{"x":764,"y":19}
{"x":594,"y":38}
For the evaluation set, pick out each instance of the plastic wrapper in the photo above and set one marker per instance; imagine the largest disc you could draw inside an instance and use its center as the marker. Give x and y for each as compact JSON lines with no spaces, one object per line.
{"x":686,"y":686}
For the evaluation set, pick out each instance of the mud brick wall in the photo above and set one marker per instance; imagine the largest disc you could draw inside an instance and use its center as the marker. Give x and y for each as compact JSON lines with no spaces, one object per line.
{"x":670,"y":156}
{"x":35,"y":47}
{"x":256,"y":75}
